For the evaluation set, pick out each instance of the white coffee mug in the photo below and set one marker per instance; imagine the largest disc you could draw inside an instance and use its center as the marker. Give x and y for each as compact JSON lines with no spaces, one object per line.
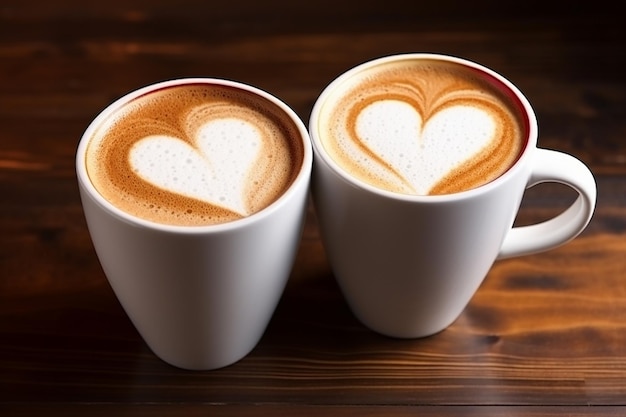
{"x":409,"y":265}
{"x":201,"y":296}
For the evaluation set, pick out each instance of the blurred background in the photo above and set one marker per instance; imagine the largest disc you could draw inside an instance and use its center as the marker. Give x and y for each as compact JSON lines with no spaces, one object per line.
{"x":63,"y":61}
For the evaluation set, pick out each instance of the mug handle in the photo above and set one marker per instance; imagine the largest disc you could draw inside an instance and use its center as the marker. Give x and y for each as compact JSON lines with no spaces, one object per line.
{"x":553,"y":166}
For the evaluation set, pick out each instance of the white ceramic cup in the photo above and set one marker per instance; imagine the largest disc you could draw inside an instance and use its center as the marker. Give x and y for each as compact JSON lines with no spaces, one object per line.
{"x":200,"y":296}
{"x":409,"y":265}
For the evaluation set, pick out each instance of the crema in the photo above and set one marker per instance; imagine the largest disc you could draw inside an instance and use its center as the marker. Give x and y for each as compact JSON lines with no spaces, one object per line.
{"x":194,"y":154}
{"x":421,"y":127}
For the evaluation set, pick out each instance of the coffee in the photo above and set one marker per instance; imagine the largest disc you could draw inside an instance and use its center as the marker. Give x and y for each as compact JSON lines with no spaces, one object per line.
{"x":194,"y":154}
{"x":421,"y":126}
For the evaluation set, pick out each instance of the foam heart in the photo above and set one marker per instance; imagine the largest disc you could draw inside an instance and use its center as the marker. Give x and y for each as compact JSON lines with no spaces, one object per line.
{"x":421,"y":155}
{"x":214,"y":168}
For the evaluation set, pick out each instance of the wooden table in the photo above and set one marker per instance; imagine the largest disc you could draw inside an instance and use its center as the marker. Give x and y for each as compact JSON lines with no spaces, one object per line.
{"x":544,"y":335}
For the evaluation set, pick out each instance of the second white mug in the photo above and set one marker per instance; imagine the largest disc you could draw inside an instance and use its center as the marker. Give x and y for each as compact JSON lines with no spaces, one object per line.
{"x":409,"y":264}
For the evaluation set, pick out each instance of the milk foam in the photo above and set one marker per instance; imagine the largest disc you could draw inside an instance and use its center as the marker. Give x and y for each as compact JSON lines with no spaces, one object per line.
{"x":195,"y":154}
{"x":417,"y":155}
{"x":208,"y":171}
{"x":421,"y":128}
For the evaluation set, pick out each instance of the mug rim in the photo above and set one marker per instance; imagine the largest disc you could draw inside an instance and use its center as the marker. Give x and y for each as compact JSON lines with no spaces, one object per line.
{"x":303,"y":173}
{"x":529,"y":118}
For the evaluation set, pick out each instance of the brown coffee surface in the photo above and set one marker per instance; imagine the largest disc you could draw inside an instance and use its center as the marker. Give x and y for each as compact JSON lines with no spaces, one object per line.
{"x":422,"y":126}
{"x":182,"y":116}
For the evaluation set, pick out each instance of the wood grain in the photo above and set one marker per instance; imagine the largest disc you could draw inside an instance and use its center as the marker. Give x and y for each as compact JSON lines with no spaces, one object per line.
{"x":545,"y":334}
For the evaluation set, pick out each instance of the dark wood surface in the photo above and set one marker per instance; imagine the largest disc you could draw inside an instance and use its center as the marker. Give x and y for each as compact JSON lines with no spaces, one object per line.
{"x":544,"y":335}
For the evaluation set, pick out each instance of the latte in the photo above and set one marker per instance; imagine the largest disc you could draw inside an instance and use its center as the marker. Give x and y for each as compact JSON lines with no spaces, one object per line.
{"x":194,"y":154}
{"x":421,"y":126}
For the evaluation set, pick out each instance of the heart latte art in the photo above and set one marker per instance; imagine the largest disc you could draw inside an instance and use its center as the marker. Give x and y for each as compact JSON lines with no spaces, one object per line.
{"x":421,"y":127}
{"x":195,"y":154}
